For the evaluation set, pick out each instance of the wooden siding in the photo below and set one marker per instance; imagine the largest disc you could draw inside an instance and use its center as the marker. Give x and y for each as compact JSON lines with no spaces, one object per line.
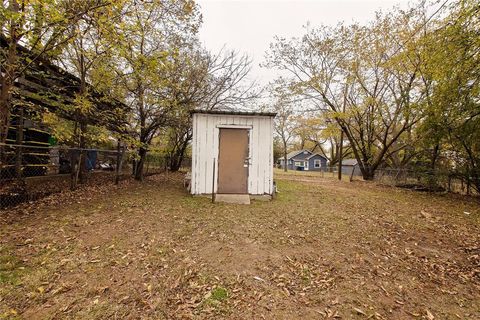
{"x":205,"y":150}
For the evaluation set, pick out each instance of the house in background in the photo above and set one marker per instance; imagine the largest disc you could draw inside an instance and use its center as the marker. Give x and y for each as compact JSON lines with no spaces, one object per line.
{"x":349,"y":166}
{"x":304,"y":160}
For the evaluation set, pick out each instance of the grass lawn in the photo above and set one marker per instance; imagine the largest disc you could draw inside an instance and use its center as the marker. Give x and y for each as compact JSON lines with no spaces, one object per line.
{"x":323,"y":249}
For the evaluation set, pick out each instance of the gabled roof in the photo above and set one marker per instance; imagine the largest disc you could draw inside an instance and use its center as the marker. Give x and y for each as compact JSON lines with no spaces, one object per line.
{"x":349,"y":162}
{"x":296,"y":152}
{"x":315,"y":154}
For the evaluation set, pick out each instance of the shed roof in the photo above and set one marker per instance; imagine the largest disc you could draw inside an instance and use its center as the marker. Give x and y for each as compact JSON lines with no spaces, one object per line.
{"x":235,"y":113}
{"x":349,"y":162}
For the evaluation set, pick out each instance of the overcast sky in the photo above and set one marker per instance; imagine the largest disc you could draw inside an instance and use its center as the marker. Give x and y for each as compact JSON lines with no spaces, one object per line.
{"x":250,"y":25}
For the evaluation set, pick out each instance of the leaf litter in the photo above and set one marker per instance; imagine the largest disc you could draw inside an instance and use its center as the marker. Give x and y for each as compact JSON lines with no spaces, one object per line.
{"x":322,"y":248}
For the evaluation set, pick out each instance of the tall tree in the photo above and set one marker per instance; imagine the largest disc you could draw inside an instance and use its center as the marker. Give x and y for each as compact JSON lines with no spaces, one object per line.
{"x":452,"y":123}
{"x":206,"y":81}
{"x":43,"y":27}
{"x":363,"y":70}
{"x":324,"y":137}
{"x":150,"y":37}
{"x":84,"y":56}
{"x":285,"y":124}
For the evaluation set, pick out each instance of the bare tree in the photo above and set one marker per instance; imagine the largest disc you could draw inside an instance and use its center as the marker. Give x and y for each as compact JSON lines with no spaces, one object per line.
{"x":284,"y":127}
{"x":206,"y":81}
{"x":87,"y":52}
{"x":43,"y":27}
{"x":365,"y":70}
{"x":324,"y":137}
{"x":285,"y":124}
{"x":149,"y":39}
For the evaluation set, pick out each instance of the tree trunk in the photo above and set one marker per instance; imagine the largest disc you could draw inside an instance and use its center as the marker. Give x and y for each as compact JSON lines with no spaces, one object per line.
{"x":8,"y":74}
{"x":368,"y":174}
{"x":4,"y":112}
{"x":340,"y":156}
{"x":285,"y":164}
{"x":74,"y":160}
{"x":142,"y":152}
{"x":83,"y":157}
{"x":177,"y":157}
{"x":476,"y":180}
{"x":176,"y":161}
{"x":435,"y":154}
{"x":83,"y":124}
{"x":118,"y":168}
{"x":5,"y":105}
{"x":74,"y":154}
{"x":19,"y":142}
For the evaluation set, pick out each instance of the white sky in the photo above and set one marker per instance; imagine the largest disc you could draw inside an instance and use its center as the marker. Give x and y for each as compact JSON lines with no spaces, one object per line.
{"x":249,"y":26}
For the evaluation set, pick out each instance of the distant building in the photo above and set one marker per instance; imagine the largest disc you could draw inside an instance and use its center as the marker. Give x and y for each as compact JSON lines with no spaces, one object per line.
{"x":349,"y":165}
{"x":304,"y":160}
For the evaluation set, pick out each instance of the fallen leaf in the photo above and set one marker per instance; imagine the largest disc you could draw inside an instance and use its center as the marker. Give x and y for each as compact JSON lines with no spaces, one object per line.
{"x":430,"y":316}
{"x":359,"y":311}
{"x":425,"y":214}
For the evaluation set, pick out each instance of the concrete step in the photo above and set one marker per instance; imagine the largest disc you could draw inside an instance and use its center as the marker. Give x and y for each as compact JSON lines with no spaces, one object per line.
{"x":233,"y":198}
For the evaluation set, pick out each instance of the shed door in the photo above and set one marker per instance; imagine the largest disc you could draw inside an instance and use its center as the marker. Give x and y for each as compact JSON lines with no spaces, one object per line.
{"x":233,"y":161}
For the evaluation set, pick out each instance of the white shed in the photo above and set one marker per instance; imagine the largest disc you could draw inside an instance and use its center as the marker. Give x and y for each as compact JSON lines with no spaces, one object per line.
{"x":232,"y":153}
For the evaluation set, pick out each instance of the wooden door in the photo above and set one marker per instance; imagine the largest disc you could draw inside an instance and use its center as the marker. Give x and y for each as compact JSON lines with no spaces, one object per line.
{"x":233,"y":161}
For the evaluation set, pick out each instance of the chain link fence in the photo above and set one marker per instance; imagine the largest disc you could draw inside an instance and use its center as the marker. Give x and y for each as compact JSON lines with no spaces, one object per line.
{"x":466,"y":183}
{"x":420,"y":179}
{"x":28,"y":172}
{"x":429,"y":180}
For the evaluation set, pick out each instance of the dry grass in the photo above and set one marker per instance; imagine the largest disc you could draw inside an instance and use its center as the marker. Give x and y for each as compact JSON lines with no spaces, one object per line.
{"x":322,"y":249}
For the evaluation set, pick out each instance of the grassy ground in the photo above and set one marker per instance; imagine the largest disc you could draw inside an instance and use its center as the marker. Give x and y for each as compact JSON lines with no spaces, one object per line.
{"x":322,"y":249}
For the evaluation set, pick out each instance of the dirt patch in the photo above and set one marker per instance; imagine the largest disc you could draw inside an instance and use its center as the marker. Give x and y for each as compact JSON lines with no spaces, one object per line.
{"x":322,"y":249}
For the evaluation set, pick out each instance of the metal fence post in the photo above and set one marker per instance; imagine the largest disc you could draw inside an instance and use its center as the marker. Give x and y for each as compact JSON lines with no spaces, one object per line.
{"x":120,"y":151}
{"x":213,"y":182}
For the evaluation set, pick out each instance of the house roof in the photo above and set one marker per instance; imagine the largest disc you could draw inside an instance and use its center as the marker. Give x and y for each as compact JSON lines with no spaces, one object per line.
{"x":292,"y":154}
{"x":315,"y":154}
{"x":235,"y":113}
{"x":349,"y":162}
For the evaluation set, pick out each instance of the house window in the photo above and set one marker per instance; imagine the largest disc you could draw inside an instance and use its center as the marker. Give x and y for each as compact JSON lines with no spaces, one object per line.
{"x":317,"y":163}
{"x":299,"y":164}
